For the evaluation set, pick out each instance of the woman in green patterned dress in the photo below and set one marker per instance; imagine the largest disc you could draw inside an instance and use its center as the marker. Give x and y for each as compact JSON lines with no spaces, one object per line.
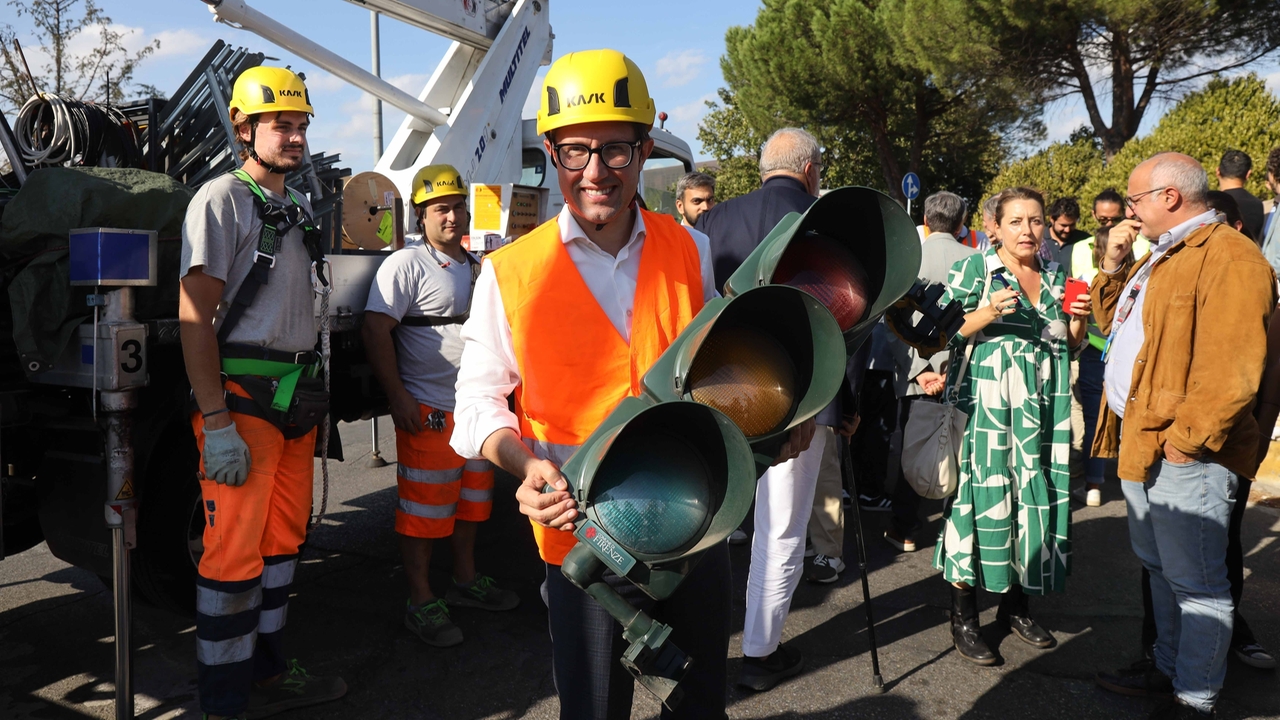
{"x":1007,"y":528}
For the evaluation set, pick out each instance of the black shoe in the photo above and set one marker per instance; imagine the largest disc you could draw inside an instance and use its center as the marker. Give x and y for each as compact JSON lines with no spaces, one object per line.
{"x":1140,"y":679}
{"x":878,"y":503}
{"x":1176,"y":710}
{"x":966,"y":632}
{"x":763,"y":673}
{"x":1014,"y":614}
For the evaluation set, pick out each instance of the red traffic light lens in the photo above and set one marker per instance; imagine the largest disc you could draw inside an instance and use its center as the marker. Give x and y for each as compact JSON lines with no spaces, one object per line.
{"x":747,"y":375}
{"x":829,"y":271}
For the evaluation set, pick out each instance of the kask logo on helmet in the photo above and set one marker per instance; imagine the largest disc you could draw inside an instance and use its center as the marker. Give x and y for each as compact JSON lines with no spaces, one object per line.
{"x":291,"y":93}
{"x":584,"y":99}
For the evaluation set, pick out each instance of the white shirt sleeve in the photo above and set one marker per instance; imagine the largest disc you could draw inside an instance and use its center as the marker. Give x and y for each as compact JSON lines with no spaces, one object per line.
{"x":489,"y":372}
{"x":392,"y":286}
{"x":703,"y":244}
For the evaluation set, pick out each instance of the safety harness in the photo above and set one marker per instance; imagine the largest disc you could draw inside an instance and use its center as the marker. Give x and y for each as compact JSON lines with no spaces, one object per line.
{"x":273,"y":377}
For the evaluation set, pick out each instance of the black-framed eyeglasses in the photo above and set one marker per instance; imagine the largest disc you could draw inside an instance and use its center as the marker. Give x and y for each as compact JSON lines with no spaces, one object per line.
{"x":1133,"y":200}
{"x":614,"y":155}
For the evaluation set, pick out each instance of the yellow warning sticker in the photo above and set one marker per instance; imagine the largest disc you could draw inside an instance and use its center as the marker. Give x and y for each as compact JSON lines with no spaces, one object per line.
{"x":126,"y":490}
{"x":487,"y":214}
{"x":385,"y":228}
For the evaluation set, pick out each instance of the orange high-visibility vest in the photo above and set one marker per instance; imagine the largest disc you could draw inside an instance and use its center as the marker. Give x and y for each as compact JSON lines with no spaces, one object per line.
{"x":574,"y":366}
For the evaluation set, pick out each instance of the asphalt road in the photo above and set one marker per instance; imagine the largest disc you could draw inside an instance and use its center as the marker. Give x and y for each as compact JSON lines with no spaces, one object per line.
{"x":56,"y":656}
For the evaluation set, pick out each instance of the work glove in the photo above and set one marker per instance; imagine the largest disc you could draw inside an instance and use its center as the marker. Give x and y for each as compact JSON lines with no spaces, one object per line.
{"x":226,"y":457}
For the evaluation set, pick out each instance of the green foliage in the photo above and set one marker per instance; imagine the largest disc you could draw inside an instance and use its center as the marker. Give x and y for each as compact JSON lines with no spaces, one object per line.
{"x":832,"y":67}
{"x":725,"y":133}
{"x":1060,"y":170}
{"x":102,"y":71}
{"x":1117,"y":53}
{"x":1237,"y":114}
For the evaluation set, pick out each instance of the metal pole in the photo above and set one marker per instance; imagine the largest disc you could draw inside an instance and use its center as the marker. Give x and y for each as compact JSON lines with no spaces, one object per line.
{"x":846,"y":467}
{"x":121,"y":509}
{"x":377,"y":126}
{"x":376,"y":460}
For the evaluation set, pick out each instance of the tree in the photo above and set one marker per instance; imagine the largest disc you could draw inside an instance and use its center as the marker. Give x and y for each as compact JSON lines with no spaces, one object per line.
{"x":1238,"y":114}
{"x":102,"y":72}
{"x":725,"y":133}
{"x":831,"y":67}
{"x":1130,"y":51}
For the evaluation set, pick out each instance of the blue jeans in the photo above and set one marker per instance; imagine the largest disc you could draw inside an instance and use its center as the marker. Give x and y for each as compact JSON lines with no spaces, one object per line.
{"x":1089,"y":393}
{"x":1178,"y":523}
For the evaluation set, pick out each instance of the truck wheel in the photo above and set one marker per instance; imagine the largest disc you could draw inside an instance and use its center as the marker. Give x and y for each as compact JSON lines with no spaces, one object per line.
{"x":170,"y":526}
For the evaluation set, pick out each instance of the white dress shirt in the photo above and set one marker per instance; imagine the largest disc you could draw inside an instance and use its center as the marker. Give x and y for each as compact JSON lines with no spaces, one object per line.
{"x":489,"y":372}
{"x":1127,"y":340}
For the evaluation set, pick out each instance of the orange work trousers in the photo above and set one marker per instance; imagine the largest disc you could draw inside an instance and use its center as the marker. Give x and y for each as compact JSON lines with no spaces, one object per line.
{"x":436,"y":485}
{"x":267,"y":515}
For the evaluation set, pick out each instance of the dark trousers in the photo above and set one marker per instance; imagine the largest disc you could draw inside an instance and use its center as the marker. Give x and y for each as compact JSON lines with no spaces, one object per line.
{"x":906,"y":503}
{"x":878,"y":410}
{"x":587,"y":642}
{"x":1240,"y":632}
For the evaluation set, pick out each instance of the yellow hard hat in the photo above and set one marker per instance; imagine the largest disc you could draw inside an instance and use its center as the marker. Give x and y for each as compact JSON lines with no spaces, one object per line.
{"x":594,"y":86}
{"x":435,"y":181}
{"x":270,"y":89}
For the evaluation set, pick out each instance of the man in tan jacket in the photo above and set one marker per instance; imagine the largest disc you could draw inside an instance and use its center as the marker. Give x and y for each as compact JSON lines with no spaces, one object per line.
{"x":1187,"y":342}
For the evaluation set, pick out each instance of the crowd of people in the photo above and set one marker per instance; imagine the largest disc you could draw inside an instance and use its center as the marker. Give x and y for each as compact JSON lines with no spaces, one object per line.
{"x":476,"y":370}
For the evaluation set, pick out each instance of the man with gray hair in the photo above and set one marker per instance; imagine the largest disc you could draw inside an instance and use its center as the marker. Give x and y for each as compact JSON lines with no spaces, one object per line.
{"x":695,"y":194}
{"x":790,"y":164}
{"x":1202,"y":290}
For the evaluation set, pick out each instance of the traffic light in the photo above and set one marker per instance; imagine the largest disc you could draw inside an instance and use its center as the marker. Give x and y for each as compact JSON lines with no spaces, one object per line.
{"x":671,"y":473}
{"x":855,"y":250}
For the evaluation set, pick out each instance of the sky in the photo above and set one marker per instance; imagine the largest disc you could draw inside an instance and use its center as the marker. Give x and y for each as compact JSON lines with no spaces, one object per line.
{"x":677,"y":44}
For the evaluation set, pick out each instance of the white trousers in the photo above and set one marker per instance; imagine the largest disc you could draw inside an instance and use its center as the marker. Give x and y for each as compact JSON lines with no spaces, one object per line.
{"x":784,"y":502}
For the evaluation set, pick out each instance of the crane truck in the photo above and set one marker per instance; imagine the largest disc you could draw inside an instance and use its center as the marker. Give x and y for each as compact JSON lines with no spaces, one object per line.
{"x":55,"y":447}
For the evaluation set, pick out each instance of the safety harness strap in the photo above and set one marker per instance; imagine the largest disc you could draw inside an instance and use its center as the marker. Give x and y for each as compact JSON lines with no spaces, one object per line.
{"x":438,"y":320}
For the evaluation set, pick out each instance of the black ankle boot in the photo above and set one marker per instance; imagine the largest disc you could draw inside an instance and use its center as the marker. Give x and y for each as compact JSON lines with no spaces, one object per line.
{"x":966,"y":632}
{"x":1015,"y":615}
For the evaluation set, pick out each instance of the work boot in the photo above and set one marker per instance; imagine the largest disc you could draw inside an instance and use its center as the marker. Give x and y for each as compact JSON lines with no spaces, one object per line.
{"x":1177,"y":710}
{"x":763,"y":673}
{"x":295,"y":688}
{"x":966,"y":632}
{"x":1140,"y":679}
{"x":430,"y":622}
{"x":1015,"y":615}
{"x":482,"y":593}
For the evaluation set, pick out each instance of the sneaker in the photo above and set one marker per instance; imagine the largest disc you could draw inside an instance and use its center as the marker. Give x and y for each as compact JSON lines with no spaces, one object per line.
{"x":1091,"y":497}
{"x":900,"y":541}
{"x":241,"y":716}
{"x":482,"y":593}
{"x":295,"y":688}
{"x":845,"y":500}
{"x":430,"y":622}
{"x":1177,"y":710}
{"x":878,"y":503}
{"x":763,"y":673}
{"x":824,"y":569}
{"x":809,"y":549}
{"x":1252,"y":653}
{"x":738,"y":537}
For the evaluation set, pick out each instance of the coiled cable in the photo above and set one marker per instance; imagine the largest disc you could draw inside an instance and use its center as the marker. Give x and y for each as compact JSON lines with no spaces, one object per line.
{"x":60,"y":130}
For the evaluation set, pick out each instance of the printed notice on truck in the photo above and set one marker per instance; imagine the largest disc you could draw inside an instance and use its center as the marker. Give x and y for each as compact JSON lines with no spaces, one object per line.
{"x":487,"y":213}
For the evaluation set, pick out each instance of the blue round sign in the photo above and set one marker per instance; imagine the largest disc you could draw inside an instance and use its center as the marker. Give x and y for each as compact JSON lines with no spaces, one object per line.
{"x":911,"y":186}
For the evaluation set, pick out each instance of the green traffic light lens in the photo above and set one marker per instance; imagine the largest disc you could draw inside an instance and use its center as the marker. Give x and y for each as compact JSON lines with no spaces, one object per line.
{"x":829,"y":271}
{"x":654,"y":496}
{"x":747,"y":375}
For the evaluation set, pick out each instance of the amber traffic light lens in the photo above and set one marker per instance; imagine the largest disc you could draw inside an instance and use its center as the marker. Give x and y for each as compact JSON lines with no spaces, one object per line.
{"x":745,"y":374}
{"x":829,"y":271}
{"x":653,"y":497}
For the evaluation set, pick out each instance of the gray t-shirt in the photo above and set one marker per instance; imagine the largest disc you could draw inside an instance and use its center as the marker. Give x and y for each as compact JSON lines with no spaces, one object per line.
{"x":419,"y":280}
{"x":221,"y":233}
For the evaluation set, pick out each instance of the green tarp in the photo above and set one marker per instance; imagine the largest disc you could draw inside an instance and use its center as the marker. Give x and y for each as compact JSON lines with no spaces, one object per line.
{"x":33,"y":246}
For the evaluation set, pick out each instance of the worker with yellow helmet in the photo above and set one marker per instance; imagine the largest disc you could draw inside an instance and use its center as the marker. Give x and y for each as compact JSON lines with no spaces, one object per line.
{"x":569,"y":318}
{"x":251,"y":265}
{"x":413,"y":340}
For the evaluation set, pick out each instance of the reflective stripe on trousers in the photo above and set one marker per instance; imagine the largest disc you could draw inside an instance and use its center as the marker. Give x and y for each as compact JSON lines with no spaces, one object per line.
{"x":435,"y":485}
